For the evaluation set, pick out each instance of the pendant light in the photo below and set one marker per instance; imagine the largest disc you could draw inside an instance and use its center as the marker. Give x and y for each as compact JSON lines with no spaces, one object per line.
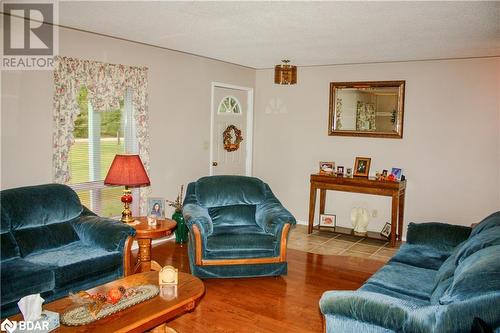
{"x":285,"y":73}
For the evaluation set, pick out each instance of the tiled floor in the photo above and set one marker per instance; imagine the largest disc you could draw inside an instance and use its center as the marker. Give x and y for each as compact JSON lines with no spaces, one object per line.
{"x":326,"y":242}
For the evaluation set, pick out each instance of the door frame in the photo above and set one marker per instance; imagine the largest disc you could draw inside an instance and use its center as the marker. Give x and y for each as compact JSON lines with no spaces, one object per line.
{"x":249,"y":128}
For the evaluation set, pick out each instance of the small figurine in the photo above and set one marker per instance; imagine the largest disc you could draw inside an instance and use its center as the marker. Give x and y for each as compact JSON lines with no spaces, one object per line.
{"x":349,"y":172}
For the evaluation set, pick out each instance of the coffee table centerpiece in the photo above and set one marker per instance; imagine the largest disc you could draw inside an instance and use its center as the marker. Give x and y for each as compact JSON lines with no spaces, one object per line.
{"x":92,"y":307}
{"x":146,"y":315}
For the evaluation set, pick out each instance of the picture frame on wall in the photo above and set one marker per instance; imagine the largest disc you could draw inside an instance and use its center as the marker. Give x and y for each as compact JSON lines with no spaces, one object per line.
{"x":386,"y":230}
{"x":326,"y":168}
{"x":362,"y":166}
{"x":327,"y":221}
{"x":156,"y":207}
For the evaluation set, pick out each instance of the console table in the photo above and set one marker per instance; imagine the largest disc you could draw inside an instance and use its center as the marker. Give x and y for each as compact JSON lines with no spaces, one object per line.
{"x":396,"y":190}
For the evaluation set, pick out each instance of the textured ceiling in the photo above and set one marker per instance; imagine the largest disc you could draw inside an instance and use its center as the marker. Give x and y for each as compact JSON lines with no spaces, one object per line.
{"x":260,"y":34}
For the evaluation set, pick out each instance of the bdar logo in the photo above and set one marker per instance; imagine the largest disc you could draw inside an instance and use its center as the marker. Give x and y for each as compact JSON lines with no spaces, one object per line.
{"x":8,"y":326}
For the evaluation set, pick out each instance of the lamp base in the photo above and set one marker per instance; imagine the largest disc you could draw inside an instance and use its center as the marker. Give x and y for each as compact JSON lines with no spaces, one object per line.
{"x":127,"y":216}
{"x":127,"y":200}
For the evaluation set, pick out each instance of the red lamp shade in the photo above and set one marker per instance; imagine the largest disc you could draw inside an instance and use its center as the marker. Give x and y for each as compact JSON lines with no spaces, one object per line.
{"x":127,"y":170}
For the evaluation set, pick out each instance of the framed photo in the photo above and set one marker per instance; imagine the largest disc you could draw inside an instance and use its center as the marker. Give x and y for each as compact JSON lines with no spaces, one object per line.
{"x":156,"y":207}
{"x":326,"y":168}
{"x":327,"y":221}
{"x":386,"y":230}
{"x":397,"y":173}
{"x":340,"y":171}
{"x":362,"y":166}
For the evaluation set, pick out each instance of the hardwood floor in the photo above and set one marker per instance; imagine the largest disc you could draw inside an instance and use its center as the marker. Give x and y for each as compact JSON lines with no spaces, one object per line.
{"x":272,"y":304}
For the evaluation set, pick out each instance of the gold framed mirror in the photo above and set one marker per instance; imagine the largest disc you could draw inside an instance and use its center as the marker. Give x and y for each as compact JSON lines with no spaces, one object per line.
{"x":367,"y":109}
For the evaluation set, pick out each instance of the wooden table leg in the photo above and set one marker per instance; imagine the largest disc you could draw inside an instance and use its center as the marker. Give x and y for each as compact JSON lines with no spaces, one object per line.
{"x":312,"y":206}
{"x":322,"y":201}
{"x":144,"y":257}
{"x":401,"y":210}
{"x":394,"y":218}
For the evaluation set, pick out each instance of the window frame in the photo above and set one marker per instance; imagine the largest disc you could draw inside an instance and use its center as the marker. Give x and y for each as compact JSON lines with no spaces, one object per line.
{"x":130,"y":146}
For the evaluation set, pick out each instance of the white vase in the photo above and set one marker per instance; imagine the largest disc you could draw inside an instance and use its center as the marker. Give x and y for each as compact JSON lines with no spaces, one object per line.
{"x":360,"y":218}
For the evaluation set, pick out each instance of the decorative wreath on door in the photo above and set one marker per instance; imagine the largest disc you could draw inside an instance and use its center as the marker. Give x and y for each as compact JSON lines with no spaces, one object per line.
{"x":229,"y":145}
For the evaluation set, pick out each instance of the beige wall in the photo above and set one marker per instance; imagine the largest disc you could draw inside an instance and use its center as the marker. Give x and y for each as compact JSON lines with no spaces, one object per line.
{"x":449,"y":152}
{"x":179,"y":109}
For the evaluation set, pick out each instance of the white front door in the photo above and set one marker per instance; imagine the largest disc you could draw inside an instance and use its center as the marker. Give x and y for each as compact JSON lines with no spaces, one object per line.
{"x":230,"y":114}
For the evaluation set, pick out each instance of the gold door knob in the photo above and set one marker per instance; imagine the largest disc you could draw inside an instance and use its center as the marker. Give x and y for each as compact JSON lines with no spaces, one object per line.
{"x":214,"y":163}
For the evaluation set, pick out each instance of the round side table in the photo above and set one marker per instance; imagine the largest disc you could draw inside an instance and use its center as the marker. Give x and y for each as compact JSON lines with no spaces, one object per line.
{"x":144,"y":235}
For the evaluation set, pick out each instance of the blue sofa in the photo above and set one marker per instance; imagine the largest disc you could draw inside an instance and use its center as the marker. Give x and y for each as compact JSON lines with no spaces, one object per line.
{"x":51,"y":244}
{"x":237,"y":228}
{"x":439,"y":281}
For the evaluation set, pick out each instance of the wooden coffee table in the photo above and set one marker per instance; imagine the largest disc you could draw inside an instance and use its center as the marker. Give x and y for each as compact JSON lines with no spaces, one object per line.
{"x":143,"y":316}
{"x":144,"y":235}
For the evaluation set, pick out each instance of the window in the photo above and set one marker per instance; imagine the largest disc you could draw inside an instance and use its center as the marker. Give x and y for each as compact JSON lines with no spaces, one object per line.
{"x":229,"y":104}
{"x":99,"y":136}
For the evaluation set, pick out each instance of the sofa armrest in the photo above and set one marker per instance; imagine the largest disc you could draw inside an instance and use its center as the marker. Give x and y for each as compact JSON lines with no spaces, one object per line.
{"x":87,"y":212}
{"x":198,"y":215}
{"x":106,"y":233}
{"x":369,"y":307}
{"x":271,"y":216}
{"x":440,"y":236}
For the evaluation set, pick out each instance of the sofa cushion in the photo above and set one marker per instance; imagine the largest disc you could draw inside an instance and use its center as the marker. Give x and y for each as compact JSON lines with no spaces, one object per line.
{"x":488,"y":237}
{"x":240,"y":242}
{"x":32,"y":206}
{"x":444,"y":275}
{"x":31,"y":240}
{"x":406,"y":279}
{"x":235,"y":215}
{"x":431,"y":234}
{"x":21,"y":277}
{"x":421,"y":256}
{"x":491,"y":221}
{"x":475,"y":276}
{"x":218,"y":191}
{"x":4,"y":218}
{"x":76,"y":262}
{"x":384,"y":291}
{"x":9,"y":246}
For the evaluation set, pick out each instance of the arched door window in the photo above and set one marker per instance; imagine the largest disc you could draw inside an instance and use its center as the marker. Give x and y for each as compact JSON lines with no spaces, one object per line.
{"x":228,"y":105}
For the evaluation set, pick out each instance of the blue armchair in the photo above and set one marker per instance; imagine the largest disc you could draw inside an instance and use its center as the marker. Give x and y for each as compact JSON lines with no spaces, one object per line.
{"x":439,"y":281}
{"x":237,"y":228}
{"x":51,"y":244}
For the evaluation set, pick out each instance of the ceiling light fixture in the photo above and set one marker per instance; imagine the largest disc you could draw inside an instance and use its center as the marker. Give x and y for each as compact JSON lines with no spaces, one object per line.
{"x":285,"y":73}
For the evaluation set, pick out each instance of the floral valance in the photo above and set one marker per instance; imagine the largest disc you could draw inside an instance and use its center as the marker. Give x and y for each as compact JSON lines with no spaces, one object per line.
{"x":106,"y":85}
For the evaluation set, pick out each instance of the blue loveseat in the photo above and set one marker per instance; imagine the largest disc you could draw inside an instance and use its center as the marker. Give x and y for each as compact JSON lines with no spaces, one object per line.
{"x":237,"y":228}
{"x":439,"y":281}
{"x":51,"y":244}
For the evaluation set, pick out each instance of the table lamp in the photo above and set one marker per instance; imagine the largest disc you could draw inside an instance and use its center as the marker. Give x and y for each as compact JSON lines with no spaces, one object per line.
{"x":128,"y":171}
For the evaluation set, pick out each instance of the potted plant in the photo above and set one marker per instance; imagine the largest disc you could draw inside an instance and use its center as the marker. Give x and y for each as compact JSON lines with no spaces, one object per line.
{"x":181,"y":232}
